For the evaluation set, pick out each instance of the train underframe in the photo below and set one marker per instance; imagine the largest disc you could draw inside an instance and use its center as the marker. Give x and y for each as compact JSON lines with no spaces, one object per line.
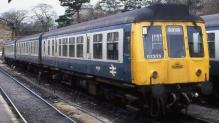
{"x":155,"y":100}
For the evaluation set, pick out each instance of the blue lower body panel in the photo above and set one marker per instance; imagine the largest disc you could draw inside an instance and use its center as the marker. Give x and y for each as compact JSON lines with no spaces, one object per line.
{"x":117,"y":71}
{"x":28,"y":58}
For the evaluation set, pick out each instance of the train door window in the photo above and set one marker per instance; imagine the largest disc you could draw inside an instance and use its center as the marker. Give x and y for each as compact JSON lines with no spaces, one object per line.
{"x":60,"y":47}
{"x":33,"y":52}
{"x":33,"y":47}
{"x":64,"y":47}
{"x":53,"y":47}
{"x":88,"y":44}
{"x":72,"y":47}
{"x":98,"y":46}
{"x":175,"y":42}
{"x":80,"y":41}
{"x":196,"y":48}
{"x":37,"y":47}
{"x":153,"y":42}
{"x":211,"y":44}
{"x":112,"y":45}
{"x":48,"y":48}
{"x":30,"y":47}
{"x":56,"y":47}
{"x":26,"y":46}
{"x":44,"y":47}
{"x":23,"y":48}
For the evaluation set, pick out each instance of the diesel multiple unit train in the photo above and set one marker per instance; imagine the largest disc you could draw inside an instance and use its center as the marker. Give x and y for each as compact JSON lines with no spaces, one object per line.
{"x":153,"y":58}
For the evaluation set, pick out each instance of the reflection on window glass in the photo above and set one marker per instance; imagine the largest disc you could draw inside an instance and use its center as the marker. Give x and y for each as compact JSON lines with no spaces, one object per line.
{"x":72,"y":47}
{"x":195,"y":42}
{"x":97,"y":46}
{"x":175,"y":41}
{"x":211,"y":44}
{"x":153,"y":43}
{"x":60,"y":47}
{"x":80,"y":41}
{"x":53,"y":47}
{"x":48,"y":47}
{"x":56,"y":46}
{"x":64,"y":47}
{"x":112,"y":45}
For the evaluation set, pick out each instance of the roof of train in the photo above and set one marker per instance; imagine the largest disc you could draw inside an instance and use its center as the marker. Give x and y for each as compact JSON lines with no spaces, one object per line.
{"x":30,"y":37}
{"x":9,"y":42}
{"x":158,"y":12}
{"x":211,"y":20}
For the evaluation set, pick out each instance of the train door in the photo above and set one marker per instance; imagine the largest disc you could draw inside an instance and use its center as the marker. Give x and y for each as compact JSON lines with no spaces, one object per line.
{"x":88,"y":47}
{"x":55,"y":49}
{"x":177,"y":63}
{"x":88,"y":50}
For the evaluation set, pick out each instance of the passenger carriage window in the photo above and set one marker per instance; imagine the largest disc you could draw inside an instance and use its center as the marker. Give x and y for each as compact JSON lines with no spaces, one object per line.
{"x":112,"y":45}
{"x":64,"y":47}
{"x":30,"y":47}
{"x":80,"y":41}
{"x":60,"y":47}
{"x":153,"y":42}
{"x":56,"y":46}
{"x":49,"y":45}
{"x":97,"y":46}
{"x":53,"y":47}
{"x":211,"y":44}
{"x":175,"y":42}
{"x":26,"y":51}
{"x":36,"y":49}
{"x":88,"y":44}
{"x":196,"y":48}
{"x":72,"y":47}
{"x":44,"y":47}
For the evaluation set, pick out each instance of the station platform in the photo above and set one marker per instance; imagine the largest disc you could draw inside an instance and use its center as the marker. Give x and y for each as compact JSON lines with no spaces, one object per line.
{"x":6,"y":115}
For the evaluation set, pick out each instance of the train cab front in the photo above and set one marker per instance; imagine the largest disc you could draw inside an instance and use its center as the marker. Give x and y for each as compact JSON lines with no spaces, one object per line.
{"x":171,"y":60}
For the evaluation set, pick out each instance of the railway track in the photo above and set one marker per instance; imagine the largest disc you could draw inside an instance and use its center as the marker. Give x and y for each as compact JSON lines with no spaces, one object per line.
{"x":12,"y":106}
{"x":82,"y":105}
{"x":31,"y":107}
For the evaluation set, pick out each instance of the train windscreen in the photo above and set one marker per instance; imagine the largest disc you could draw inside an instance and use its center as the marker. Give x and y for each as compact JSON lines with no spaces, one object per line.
{"x":175,"y":41}
{"x":153,"y":42}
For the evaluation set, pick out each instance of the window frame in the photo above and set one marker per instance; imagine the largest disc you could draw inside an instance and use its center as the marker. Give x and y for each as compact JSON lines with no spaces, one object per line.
{"x":184,"y":41}
{"x":155,"y":43}
{"x":215,"y":49}
{"x":97,"y":42}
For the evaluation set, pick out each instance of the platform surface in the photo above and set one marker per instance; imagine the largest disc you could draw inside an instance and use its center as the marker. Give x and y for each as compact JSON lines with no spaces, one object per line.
{"x":6,"y":115}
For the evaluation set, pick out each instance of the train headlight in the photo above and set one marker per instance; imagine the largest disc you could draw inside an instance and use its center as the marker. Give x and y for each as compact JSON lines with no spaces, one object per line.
{"x":154,"y":74}
{"x":198,"y":72}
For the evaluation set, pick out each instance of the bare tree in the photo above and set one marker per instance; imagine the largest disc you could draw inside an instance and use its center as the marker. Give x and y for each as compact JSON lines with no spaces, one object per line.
{"x":15,"y":17}
{"x":45,"y":15}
